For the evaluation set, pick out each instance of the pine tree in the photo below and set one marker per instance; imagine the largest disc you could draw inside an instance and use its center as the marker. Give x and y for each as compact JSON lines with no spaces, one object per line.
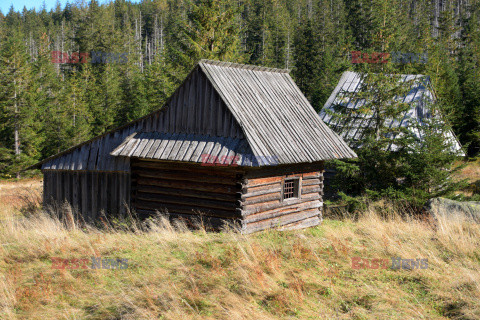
{"x":307,"y":61}
{"x":16,"y":112}
{"x":211,"y":31}
{"x":158,"y":83}
{"x":394,"y":161}
{"x":429,"y":163}
{"x":45,"y":88}
{"x":442,"y":66}
{"x":469,"y":80}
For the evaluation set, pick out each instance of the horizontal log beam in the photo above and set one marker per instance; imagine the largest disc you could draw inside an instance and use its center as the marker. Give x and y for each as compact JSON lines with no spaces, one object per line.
{"x":207,"y":170}
{"x":311,"y":189}
{"x":187,"y":193}
{"x":281,"y":221}
{"x":169,"y":175}
{"x":306,"y":223}
{"x":311,"y":182}
{"x":165,"y":200}
{"x":262,"y":198}
{"x":283,"y":211}
{"x":250,"y":189}
{"x":311,"y":175}
{"x":302,"y":224}
{"x":186,"y":209}
{"x":261,"y":193}
{"x":261,"y":181}
{"x":252,"y":209}
{"x":189,"y":185}
{"x":283,"y":170}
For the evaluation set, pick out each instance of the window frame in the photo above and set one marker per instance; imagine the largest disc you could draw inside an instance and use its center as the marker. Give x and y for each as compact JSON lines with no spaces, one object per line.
{"x":297,"y":188}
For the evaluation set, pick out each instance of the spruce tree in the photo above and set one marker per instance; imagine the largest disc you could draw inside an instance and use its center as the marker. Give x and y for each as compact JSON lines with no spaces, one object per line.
{"x":469,"y":80}
{"x":211,"y":31}
{"x":16,"y":114}
{"x":307,"y":61}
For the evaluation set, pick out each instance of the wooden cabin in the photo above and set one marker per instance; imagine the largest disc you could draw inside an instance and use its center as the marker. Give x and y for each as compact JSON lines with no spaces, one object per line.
{"x":234,"y":144}
{"x":349,"y":95}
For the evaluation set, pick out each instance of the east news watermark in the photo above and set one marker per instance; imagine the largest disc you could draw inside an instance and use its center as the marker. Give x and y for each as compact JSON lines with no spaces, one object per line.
{"x":234,"y":161}
{"x":83,"y":57}
{"x":384,"y":57}
{"x":92,"y":263}
{"x":395,"y":263}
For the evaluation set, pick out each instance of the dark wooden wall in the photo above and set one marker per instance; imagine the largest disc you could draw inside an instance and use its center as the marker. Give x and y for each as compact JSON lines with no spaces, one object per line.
{"x":88,"y":192}
{"x":251,"y":198}
{"x":262,"y":205}
{"x":194,"y":108}
{"x":186,"y":190}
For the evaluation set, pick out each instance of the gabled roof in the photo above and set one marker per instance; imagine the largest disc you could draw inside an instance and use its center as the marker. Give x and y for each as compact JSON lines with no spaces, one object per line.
{"x":276,"y":117}
{"x":352,"y":128}
{"x":225,"y":104}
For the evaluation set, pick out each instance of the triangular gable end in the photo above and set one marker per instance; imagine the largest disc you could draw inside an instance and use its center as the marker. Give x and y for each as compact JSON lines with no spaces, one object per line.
{"x":194,"y":109}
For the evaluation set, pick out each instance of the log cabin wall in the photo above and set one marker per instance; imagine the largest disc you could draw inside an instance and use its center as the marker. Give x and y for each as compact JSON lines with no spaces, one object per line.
{"x":263,"y":205}
{"x":186,"y":190}
{"x":89,"y":193}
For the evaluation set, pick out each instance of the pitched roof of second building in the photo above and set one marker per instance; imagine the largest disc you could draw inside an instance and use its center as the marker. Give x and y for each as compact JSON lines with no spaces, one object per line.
{"x":351,"y":125}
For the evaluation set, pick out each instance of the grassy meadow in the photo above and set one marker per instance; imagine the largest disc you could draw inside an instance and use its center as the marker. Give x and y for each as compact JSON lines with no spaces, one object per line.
{"x":176,"y":273}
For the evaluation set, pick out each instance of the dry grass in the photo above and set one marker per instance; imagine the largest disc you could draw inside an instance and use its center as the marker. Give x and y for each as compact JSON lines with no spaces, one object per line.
{"x":470,"y":172}
{"x":176,"y":273}
{"x":16,"y":194}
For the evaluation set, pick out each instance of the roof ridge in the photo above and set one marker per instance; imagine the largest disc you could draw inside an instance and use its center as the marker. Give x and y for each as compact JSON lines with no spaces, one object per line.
{"x":227,"y":64}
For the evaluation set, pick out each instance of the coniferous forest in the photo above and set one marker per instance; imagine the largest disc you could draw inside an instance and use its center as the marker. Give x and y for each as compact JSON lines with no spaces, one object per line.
{"x":80,"y":70}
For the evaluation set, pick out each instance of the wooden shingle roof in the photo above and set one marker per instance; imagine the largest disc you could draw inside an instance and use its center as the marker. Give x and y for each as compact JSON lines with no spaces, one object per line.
{"x":352,"y":125}
{"x":276,"y":117}
{"x":187,"y":148}
{"x":260,"y":109}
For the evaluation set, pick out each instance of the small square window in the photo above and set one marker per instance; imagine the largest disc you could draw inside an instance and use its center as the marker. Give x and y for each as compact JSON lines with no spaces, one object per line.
{"x":291,"y":188}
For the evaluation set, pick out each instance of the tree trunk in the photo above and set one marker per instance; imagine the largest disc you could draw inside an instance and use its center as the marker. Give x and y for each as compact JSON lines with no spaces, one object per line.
{"x":17,"y":136}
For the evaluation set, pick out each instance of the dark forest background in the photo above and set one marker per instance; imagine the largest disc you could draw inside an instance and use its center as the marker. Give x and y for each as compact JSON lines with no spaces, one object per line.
{"x":46,"y":106}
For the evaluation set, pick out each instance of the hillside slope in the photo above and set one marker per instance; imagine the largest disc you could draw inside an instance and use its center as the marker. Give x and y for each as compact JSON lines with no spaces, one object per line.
{"x":173,"y":273}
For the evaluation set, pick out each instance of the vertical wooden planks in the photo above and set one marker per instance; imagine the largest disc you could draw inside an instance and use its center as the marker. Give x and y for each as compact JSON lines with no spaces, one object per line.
{"x":88,"y":208}
{"x":75,"y":190}
{"x":95,"y":194}
{"x":58,"y":182}
{"x":114,"y":184}
{"x":85,"y":195}
{"x":46,"y":184}
{"x":103,"y":184}
{"x":192,"y":105}
{"x":128,"y":191}
{"x":61,"y":184}
{"x":120,"y":193}
{"x":199,"y":104}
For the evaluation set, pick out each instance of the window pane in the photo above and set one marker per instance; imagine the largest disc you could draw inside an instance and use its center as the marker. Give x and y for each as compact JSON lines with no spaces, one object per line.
{"x":291,"y":188}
